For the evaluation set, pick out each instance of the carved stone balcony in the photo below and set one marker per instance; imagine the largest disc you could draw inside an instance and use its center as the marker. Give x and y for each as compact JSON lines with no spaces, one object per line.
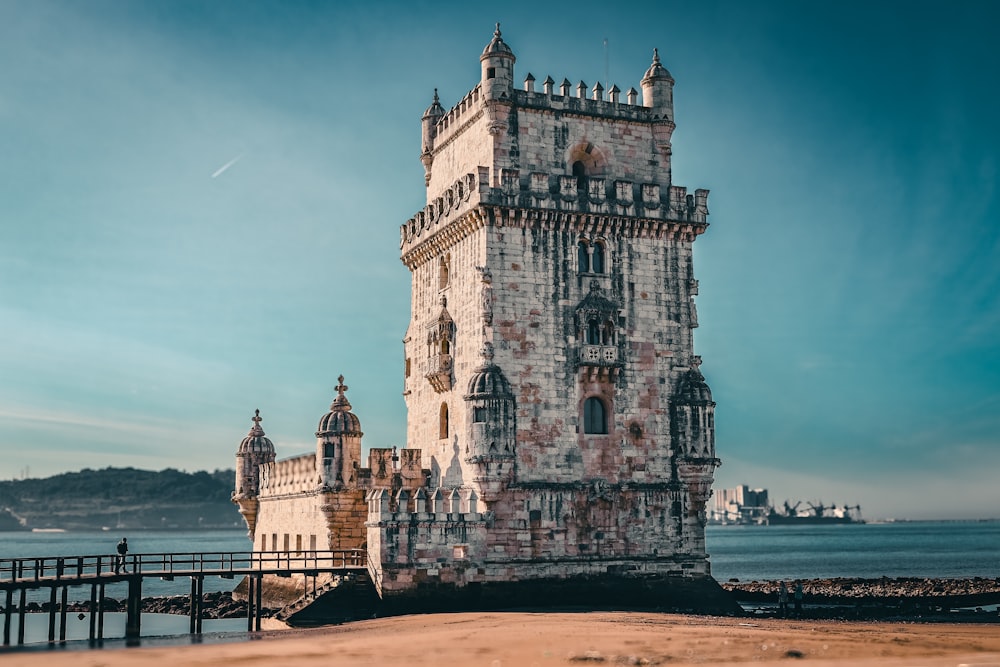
{"x":440,"y":376}
{"x":598,"y":355}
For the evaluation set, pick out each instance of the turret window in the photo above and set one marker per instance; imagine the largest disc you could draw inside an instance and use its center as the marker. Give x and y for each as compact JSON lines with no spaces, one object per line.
{"x":479,"y":415}
{"x":491,"y":72}
{"x":595,"y":418}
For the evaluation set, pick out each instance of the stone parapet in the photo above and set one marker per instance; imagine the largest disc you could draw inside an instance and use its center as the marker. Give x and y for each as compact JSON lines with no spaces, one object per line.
{"x":550,"y":201}
{"x":289,"y":476}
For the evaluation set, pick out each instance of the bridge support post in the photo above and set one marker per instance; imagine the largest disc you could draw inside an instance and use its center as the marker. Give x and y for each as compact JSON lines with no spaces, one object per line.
{"x":52,"y":614}
{"x":133,"y":607}
{"x":7,"y":616}
{"x":197,"y":603}
{"x":259,"y":588}
{"x":252,"y":583}
{"x":20,"y":615}
{"x":100,"y":611}
{"x":62,"y":613}
{"x":93,"y":611}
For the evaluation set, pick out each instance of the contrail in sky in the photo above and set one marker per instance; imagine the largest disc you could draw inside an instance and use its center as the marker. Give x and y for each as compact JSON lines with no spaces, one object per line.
{"x":229,"y":164}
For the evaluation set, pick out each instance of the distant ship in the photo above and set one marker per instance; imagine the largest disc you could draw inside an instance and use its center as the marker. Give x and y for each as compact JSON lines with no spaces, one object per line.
{"x":816,"y":514}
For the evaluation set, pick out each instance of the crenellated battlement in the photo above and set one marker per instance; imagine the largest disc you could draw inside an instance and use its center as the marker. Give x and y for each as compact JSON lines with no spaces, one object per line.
{"x":556,"y":192}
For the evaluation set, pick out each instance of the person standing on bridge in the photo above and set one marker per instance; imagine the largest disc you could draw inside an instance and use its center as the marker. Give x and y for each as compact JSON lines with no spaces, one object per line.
{"x":120,"y":558}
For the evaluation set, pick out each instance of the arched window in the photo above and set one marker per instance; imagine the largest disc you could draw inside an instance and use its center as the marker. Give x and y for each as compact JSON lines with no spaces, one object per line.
{"x":582,"y":257}
{"x":597,"y":258}
{"x":444,"y":421}
{"x":608,"y":333}
{"x":445,"y":347}
{"x":595,"y":419}
{"x":580,"y":171}
{"x":593,"y":333}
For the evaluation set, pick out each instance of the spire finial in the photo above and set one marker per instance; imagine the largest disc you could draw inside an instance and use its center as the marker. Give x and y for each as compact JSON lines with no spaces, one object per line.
{"x":656,"y":55}
{"x":436,"y":96}
{"x":341,"y":387}
{"x":496,"y":33}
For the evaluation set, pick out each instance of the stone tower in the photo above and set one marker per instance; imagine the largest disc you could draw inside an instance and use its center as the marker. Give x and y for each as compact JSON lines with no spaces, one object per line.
{"x":549,"y":362}
{"x":560,"y":433}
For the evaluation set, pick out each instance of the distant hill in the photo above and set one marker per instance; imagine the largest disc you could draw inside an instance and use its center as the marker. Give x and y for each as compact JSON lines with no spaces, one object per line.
{"x":125,"y":498}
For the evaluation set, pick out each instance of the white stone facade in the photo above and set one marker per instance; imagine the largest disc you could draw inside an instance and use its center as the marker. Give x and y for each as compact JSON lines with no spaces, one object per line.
{"x":559,"y":427}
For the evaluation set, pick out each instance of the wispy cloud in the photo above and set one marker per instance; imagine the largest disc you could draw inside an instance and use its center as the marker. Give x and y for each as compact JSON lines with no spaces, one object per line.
{"x":221,"y":170}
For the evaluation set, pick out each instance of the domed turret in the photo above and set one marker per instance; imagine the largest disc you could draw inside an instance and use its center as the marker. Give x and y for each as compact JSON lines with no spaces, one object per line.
{"x":498,"y":68}
{"x":338,"y":442}
{"x":693,"y":389}
{"x":428,"y":123}
{"x":255,"y":449}
{"x":658,"y":89}
{"x":693,"y":415}
{"x":488,"y":380}
{"x":339,"y":420}
{"x":492,"y":427}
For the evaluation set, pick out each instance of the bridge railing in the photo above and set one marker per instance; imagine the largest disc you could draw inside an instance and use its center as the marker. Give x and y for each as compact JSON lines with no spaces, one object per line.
{"x":59,"y":568}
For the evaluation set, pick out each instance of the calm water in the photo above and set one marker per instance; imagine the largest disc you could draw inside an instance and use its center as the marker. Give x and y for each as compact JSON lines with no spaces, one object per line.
{"x":919,"y":549}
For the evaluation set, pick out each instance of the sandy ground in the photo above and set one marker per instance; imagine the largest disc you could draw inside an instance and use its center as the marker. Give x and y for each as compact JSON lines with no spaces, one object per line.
{"x":514,"y":639}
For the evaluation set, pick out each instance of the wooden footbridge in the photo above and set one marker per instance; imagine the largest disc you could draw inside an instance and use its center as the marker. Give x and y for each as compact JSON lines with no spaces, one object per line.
{"x":60,"y":573}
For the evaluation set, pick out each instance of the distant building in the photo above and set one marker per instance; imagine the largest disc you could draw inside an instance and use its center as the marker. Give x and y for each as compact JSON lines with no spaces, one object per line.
{"x":560,"y":432}
{"x":740,"y":505}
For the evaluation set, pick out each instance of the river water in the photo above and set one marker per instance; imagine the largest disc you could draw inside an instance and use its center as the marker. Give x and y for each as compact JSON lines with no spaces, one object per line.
{"x":901,"y":549}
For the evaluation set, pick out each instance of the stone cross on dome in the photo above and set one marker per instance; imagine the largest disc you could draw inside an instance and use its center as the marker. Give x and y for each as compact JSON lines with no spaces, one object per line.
{"x":340,"y":402}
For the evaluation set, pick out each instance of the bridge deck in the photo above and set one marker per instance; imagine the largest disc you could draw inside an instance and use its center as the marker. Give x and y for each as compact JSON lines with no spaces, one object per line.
{"x":17,"y":573}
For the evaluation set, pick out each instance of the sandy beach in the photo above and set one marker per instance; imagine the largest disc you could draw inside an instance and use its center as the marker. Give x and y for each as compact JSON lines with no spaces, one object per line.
{"x":515,"y":639}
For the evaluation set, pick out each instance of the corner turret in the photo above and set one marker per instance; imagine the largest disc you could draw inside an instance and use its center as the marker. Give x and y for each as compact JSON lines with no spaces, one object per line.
{"x":498,"y":69}
{"x":338,"y":443}
{"x":428,"y":124}
{"x":658,"y":96}
{"x":255,"y":450}
{"x":492,"y":427}
{"x":658,"y":89}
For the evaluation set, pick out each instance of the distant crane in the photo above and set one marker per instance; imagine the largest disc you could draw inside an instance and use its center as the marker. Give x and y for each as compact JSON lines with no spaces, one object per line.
{"x":792,"y":510}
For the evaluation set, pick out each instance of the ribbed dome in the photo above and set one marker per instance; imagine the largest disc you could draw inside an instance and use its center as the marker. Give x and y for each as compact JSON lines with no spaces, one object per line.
{"x":497,"y":47}
{"x":435,"y":109}
{"x":256,"y":443}
{"x":657,"y":70}
{"x":339,"y":420}
{"x":488,"y":381}
{"x":694,"y":390}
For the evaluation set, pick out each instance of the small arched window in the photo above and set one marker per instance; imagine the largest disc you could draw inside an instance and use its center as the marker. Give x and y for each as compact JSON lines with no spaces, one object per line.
{"x":580,"y":171}
{"x":597,"y":258}
{"x":445,"y":346}
{"x":595,"y":418}
{"x":582,"y":257}
{"x":444,"y":421}
{"x":593,"y":333}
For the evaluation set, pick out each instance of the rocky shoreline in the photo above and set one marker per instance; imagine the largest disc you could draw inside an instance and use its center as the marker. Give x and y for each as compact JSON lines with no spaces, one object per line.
{"x":214,"y":606}
{"x":900,"y":598}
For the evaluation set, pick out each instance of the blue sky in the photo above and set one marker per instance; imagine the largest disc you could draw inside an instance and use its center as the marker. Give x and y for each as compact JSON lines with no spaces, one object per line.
{"x":850,"y":281}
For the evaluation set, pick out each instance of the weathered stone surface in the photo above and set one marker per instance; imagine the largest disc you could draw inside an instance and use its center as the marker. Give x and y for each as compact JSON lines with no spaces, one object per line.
{"x":550,"y":379}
